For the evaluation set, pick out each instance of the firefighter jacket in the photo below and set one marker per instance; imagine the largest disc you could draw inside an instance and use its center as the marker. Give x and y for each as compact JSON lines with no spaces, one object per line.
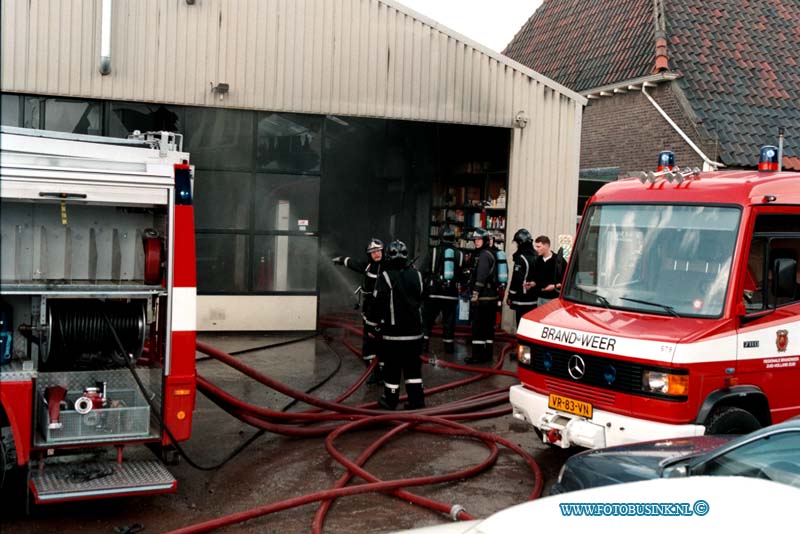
{"x":484,"y":279}
{"x":397,"y":304}
{"x":371,"y":270}
{"x":524,"y":262}
{"x":438,"y":286}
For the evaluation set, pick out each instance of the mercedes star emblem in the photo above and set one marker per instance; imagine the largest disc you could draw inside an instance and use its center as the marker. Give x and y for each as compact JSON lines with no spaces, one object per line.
{"x":576,"y":367}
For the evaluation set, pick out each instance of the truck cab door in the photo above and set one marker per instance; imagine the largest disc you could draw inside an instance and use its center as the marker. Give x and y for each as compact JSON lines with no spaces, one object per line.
{"x":768,"y":344}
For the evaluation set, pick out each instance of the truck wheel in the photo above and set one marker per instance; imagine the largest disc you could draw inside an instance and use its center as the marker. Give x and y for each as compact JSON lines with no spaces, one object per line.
{"x":731,"y":420}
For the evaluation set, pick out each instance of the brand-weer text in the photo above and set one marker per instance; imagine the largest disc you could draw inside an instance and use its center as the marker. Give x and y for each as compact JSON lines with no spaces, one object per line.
{"x":589,"y":341}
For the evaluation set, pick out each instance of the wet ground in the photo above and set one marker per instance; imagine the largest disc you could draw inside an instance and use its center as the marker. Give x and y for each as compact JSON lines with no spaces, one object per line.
{"x":276,"y":467}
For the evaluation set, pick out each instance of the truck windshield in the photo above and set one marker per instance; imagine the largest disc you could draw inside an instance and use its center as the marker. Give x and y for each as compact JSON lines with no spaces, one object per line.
{"x":664,"y":259}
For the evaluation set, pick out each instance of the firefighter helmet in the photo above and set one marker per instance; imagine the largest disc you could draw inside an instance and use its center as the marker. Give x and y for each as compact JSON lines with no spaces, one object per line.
{"x":375,"y":245}
{"x":481,"y":233}
{"x":397,"y":251}
{"x":523,"y":236}
{"x":448,"y":235}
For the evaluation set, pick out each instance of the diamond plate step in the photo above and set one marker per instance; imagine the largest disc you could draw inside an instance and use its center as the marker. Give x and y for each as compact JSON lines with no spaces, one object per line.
{"x":95,"y":480}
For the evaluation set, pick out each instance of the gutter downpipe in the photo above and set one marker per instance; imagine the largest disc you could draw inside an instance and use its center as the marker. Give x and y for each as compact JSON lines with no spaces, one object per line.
{"x":708,"y":164}
{"x":105,"y":39}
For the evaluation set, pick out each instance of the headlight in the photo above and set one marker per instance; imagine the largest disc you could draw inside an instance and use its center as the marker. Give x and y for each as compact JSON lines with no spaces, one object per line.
{"x":665,"y":383}
{"x":524,"y":354}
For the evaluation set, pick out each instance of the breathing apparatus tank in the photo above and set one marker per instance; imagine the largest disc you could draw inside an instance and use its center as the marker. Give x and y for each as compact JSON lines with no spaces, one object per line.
{"x":449,"y":264}
{"x":502,"y":267}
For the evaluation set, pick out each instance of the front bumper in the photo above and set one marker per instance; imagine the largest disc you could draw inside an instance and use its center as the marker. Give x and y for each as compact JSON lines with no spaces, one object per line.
{"x":604,"y":429}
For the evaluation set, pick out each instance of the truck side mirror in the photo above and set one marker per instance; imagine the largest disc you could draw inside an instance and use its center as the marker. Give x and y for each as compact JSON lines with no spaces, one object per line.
{"x":783,"y":277}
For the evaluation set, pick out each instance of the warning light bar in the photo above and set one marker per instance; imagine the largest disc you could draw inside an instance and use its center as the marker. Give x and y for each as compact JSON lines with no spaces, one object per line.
{"x":666,"y":161}
{"x":768,"y":159}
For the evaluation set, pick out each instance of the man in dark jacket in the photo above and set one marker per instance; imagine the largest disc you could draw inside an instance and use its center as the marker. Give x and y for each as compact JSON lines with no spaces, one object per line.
{"x":396,"y":310}
{"x":441,"y":296}
{"x":370,"y":268}
{"x":522,"y":294}
{"x":483,"y":286}
{"x":549,"y":270}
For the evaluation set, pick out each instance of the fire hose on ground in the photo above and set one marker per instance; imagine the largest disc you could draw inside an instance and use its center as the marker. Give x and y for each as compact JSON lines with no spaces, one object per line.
{"x":332,"y":419}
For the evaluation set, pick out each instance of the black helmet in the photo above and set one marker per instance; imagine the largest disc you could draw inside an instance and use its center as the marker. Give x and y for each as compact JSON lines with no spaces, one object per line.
{"x":397,"y":251}
{"x":448,"y":235}
{"x":481,"y":233}
{"x":522,"y":236}
{"x":375,"y":245}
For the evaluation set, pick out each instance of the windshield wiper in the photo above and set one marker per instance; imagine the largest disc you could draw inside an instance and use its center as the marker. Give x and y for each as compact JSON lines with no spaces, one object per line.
{"x":600,"y":298}
{"x":669,"y":309}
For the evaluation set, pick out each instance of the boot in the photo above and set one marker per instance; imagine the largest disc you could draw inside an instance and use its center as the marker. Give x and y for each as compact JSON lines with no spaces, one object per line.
{"x":383,"y":404}
{"x":389,"y":398}
{"x":478,"y":355}
{"x":449,"y":347}
{"x":416,"y":397}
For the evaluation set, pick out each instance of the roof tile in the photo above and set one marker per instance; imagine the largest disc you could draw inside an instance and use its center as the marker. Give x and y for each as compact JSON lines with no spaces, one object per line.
{"x":738,"y":59}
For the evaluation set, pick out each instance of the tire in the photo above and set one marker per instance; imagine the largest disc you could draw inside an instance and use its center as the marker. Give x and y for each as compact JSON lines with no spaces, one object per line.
{"x":731,"y":420}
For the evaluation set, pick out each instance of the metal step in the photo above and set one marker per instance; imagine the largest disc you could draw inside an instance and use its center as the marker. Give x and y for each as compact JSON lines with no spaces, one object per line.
{"x":97,"y":480}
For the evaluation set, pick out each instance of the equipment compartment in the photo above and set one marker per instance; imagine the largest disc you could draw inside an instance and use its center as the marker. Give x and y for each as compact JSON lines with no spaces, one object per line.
{"x":122,"y":413}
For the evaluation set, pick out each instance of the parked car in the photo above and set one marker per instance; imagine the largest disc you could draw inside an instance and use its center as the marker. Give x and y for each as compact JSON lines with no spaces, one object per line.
{"x":771,"y":453}
{"x":693,"y":504}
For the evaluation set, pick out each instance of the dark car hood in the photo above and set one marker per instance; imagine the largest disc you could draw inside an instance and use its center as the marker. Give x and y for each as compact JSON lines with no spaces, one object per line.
{"x":627,"y":463}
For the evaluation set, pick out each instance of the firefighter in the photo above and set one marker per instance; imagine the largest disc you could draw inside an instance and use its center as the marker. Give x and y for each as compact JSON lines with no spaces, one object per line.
{"x":501,"y":273}
{"x":446,"y":263}
{"x":522,"y":293}
{"x":483,"y":287}
{"x":370,"y":268}
{"x":396,"y":310}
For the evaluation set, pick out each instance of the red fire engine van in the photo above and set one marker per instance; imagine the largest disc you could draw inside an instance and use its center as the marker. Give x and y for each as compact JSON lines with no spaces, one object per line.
{"x":679,"y":314}
{"x":97,"y":311}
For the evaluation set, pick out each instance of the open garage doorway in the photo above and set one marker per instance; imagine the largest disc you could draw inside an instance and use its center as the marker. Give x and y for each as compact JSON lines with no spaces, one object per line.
{"x":403,"y":180}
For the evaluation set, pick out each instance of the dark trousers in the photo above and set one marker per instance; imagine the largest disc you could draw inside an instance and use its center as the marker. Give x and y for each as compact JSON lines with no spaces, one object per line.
{"x":369,"y":345}
{"x":401,"y":360}
{"x":520,"y":311}
{"x":448,"y":308}
{"x":483,"y":315}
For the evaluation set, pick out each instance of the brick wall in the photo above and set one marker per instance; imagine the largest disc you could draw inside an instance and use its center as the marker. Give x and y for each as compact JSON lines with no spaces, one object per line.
{"x":626,"y":131}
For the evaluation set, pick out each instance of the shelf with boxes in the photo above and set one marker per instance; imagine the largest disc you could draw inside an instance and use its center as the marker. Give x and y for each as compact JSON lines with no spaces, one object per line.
{"x":466,"y":202}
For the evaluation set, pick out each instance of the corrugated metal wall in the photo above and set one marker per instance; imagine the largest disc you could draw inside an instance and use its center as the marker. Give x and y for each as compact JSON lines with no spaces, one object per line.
{"x":350,"y":57}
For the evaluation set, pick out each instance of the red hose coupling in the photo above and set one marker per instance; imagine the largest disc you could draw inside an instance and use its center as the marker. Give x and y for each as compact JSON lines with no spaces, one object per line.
{"x":554,"y":435}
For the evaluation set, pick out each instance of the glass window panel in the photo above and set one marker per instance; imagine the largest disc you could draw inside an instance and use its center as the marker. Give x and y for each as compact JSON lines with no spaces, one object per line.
{"x":287,"y":202}
{"x":32,"y":112}
{"x":73,"y":116}
{"x":222,"y":200}
{"x":129,"y":116}
{"x":10,"y":113}
{"x":221,"y":263}
{"x":288,"y":142}
{"x":220,"y":139}
{"x":285,"y":263}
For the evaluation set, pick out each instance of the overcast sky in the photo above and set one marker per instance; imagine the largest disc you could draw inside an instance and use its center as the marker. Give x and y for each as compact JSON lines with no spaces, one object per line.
{"x":492,"y":23}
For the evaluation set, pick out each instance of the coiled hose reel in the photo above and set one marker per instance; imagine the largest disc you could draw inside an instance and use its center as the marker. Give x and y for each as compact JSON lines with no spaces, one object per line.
{"x":76,"y":328}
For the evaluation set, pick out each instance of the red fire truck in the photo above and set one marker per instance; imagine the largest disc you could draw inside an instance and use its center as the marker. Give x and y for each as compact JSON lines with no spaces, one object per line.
{"x":679,"y":314}
{"x":97,"y":311}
